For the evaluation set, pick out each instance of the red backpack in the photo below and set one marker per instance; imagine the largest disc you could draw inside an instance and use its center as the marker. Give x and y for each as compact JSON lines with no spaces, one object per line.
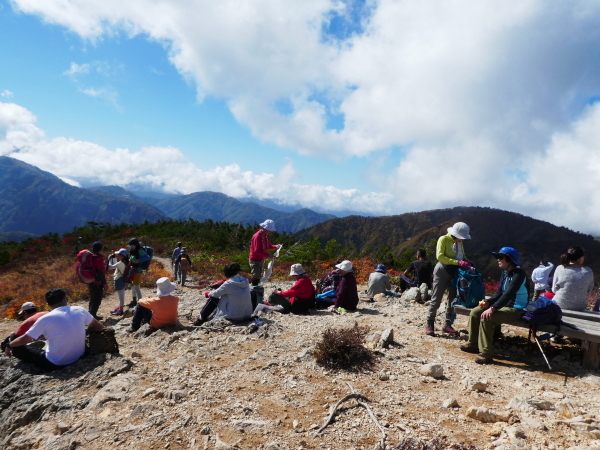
{"x":85,"y":269}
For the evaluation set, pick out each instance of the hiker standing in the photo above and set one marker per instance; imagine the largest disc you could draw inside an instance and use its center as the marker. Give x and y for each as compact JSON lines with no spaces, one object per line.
{"x":136,"y":258}
{"x":174,"y":258}
{"x":504,"y":306}
{"x":119,"y":278}
{"x":451,"y":255}
{"x":184,"y":263}
{"x":573,"y":281}
{"x":259,"y":246}
{"x":96,"y":287}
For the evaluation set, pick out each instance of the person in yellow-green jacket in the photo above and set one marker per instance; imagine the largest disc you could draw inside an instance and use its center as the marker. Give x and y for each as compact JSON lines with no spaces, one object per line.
{"x":450,"y":255}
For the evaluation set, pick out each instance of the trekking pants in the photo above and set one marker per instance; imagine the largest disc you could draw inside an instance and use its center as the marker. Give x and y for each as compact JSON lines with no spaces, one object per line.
{"x":256,"y":269}
{"x":441,"y":281}
{"x":34,"y":354}
{"x":183,"y":276}
{"x":481,"y":332}
{"x":141,"y":315}
{"x":96,"y":291}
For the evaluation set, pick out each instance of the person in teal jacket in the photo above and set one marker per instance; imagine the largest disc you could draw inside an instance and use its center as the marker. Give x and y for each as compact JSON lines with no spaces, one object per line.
{"x":504,"y":306}
{"x":450,"y":254}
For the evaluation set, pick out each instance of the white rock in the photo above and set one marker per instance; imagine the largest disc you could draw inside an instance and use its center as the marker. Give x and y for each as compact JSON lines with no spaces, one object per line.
{"x":476,"y":385}
{"x":432,"y":370}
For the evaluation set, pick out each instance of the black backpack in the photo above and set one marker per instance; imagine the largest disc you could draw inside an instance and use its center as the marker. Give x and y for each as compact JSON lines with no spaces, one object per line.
{"x":548,"y":315}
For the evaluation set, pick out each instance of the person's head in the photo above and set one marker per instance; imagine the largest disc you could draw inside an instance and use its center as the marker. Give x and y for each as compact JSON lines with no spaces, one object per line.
{"x":345,"y":266}
{"x":97,"y":246}
{"x":543,"y":262}
{"x":179,"y":244}
{"x":231,"y":269}
{"x":122,"y":254}
{"x":421,"y":253}
{"x":268,"y":225}
{"x":508,"y":258}
{"x":133,"y":242}
{"x":27,"y":310}
{"x":381,"y":268}
{"x":575,"y":255}
{"x":56,"y":297}
{"x":297,"y":270}
{"x":460,"y":231}
{"x":164,"y":286}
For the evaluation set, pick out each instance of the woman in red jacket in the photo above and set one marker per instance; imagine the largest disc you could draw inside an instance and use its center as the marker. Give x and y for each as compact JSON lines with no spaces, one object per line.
{"x":300,"y":297}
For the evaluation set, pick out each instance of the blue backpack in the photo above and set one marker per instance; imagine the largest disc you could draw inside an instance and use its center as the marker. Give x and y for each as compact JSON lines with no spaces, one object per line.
{"x":469,"y":288}
{"x":150,"y":252}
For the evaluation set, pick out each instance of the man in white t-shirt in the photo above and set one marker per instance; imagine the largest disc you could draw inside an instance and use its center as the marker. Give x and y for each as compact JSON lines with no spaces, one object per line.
{"x":64,"y":330}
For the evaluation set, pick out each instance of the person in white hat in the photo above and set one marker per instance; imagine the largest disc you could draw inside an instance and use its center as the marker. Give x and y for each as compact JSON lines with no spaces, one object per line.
{"x":259,"y":246}
{"x":450,"y":255}
{"x":30,"y":314}
{"x":159,"y":311}
{"x":346,"y":297}
{"x":298,"y":299}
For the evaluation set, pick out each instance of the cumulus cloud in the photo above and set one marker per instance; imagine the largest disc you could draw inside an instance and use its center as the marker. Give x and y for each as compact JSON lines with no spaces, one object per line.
{"x":479,"y":94}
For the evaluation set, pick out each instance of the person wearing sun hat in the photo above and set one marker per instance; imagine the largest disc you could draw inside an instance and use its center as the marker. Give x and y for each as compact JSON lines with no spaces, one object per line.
{"x":30,"y":315}
{"x":450,"y":254}
{"x":504,"y":306}
{"x":259,"y":246}
{"x":159,"y":311}
{"x":346,"y":297}
{"x":298,"y":299}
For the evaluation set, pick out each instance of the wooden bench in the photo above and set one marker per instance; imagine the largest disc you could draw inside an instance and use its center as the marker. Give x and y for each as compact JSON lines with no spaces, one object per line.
{"x":586,"y":328}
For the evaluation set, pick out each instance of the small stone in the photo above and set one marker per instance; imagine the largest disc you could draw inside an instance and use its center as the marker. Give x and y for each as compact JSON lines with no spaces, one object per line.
{"x":411,"y":295}
{"x":515,"y":433}
{"x":476,"y":385}
{"x":136,"y":355}
{"x":567,"y":408}
{"x":149,"y":391}
{"x":432,"y":370}
{"x":295,"y":424}
{"x":272,"y":446}
{"x":450,"y":403}
{"x":387,"y":337}
{"x":62,"y":427}
{"x":383,"y":376}
{"x":487,"y":415}
{"x":532,"y":423}
{"x":380,"y":298}
{"x":205,"y":430}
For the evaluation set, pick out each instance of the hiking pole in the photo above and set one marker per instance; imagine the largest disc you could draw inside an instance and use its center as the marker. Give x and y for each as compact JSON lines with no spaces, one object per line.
{"x":541,"y":350}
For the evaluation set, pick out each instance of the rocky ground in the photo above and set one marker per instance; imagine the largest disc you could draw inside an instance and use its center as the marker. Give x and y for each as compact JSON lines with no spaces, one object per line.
{"x":258,"y":387}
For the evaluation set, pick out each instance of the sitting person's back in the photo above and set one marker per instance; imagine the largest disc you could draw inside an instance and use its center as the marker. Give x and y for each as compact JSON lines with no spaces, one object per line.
{"x":379,"y":282}
{"x":421,"y":268}
{"x":572,"y":280}
{"x":159,"y":311}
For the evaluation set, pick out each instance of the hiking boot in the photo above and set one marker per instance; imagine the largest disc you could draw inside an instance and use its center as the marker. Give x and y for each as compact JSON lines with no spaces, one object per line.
{"x":118,"y":311}
{"x":370,"y":300}
{"x":469,"y":349}
{"x":483,"y":359}
{"x":97,"y":317}
{"x":132,"y":303}
{"x":429,"y":329}
{"x":199,"y":322}
{"x":448,"y":329}
{"x":130,"y":330}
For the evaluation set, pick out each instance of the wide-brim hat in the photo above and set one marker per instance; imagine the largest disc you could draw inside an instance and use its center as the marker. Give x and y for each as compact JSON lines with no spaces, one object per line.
{"x":511,"y":253}
{"x":381,"y":268}
{"x":346,"y":266}
{"x":297,"y":269}
{"x":164,"y":286}
{"x":460,"y":230}
{"x":268,"y":225}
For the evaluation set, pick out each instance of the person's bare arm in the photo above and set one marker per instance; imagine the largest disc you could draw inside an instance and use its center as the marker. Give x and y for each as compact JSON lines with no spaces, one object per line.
{"x":95,"y":325}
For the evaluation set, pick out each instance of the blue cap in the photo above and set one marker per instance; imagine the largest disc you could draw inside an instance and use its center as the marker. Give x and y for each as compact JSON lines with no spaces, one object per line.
{"x":97,"y":246}
{"x":381,"y":268}
{"x":511,"y":253}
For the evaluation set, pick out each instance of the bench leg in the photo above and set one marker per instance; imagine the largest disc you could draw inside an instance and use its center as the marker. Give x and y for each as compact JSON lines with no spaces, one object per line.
{"x":591,"y":355}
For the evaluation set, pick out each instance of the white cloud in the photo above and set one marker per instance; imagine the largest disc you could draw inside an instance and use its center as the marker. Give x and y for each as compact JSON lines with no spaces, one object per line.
{"x":6,"y":93}
{"x":77,"y":69}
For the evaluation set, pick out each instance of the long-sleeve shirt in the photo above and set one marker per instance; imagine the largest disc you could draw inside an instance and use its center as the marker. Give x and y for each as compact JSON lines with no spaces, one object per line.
{"x":347,"y":293}
{"x":513,"y":291}
{"x":98,"y":261}
{"x":302,"y":288}
{"x":445,"y":253}
{"x":572,"y":285}
{"x":259,"y":245}
{"x":175,"y":254}
{"x":164,"y":310}
{"x":540,"y":276}
{"x":378,"y":284}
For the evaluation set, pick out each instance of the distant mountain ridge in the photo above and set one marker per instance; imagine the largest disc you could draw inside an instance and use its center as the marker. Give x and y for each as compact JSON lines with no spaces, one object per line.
{"x":491,"y":229}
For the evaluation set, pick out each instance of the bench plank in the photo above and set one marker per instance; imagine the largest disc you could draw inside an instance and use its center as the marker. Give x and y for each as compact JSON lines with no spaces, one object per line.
{"x":587,"y":315}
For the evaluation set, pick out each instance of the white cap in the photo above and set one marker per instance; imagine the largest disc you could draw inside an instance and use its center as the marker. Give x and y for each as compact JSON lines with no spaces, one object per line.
{"x":268,"y":225}
{"x":27,"y":306}
{"x":297,"y":269}
{"x":346,"y":266}
{"x":123,"y":252}
{"x":460,"y":230}
{"x":164,"y":286}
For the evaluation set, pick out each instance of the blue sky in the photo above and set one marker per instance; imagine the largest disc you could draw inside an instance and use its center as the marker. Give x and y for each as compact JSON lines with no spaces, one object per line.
{"x":375,"y":106}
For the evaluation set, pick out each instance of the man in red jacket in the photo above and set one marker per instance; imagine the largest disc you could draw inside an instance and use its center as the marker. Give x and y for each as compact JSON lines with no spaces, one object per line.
{"x":259,"y":246}
{"x":300,"y":297}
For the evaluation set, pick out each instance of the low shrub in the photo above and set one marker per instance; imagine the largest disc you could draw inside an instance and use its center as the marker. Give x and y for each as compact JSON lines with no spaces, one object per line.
{"x":436,"y":443}
{"x":342,"y":349}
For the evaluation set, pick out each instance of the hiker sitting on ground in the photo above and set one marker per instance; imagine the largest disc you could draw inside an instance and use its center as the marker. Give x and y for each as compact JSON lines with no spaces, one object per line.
{"x":331,"y":280}
{"x":118,"y":262}
{"x":231,"y":300}
{"x":298,"y":299}
{"x":540,"y":277}
{"x":30,"y":315}
{"x":64,"y":330}
{"x":421,"y":269}
{"x":573,"y":281}
{"x":379,"y":283}
{"x":259,"y":246}
{"x":184,"y":263}
{"x":346,"y":297}
{"x":504,"y":306}
{"x":159,"y":311}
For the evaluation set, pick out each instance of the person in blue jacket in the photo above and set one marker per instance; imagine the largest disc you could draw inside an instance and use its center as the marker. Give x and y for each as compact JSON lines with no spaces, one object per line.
{"x":503,"y":307}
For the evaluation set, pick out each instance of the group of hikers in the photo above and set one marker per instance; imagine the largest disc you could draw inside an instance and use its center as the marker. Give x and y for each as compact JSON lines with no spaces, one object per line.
{"x":237,"y":299}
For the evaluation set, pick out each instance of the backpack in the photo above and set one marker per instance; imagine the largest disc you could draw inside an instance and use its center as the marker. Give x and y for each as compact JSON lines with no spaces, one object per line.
{"x":469,"y":288}
{"x":129,"y":273}
{"x":85,"y":269}
{"x":150,"y":252}
{"x":550,"y":314}
{"x":184,"y":264}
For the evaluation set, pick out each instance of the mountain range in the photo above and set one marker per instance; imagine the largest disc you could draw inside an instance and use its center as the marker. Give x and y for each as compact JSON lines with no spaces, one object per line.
{"x":35,"y":201}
